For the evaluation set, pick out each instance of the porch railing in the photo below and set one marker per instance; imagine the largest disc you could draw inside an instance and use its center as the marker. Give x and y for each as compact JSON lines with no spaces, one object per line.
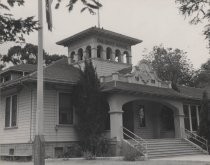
{"x":196,"y":139}
{"x":137,"y":142}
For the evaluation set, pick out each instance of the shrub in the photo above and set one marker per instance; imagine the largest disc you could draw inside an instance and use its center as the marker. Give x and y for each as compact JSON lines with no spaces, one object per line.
{"x":130,"y":153}
{"x":73,"y":151}
{"x":102,"y":147}
{"x":89,"y":155}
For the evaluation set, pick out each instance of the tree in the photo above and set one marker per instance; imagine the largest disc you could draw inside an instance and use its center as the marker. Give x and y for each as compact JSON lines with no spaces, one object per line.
{"x":12,"y":29}
{"x":202,"y":78}
{"x":27,"y":55}
{"x":171,"y":65}
{"x":89,"y":5}
{"x":198,"y":10}
{"x":91,"y":109}
{"x":2,"y":65}
{"x":203,"y":129}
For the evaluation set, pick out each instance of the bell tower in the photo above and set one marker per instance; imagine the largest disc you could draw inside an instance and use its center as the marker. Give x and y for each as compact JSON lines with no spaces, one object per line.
{"x":109,"y":51}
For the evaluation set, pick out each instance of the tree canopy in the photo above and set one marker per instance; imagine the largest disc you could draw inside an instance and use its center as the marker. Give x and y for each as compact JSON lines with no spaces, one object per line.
{"x":171,"y":65}
{"x":12,"y":29}
{"x":27,"y":55}
{"x":89,"y":5}
{"x":202,"y":78}
{"x":198,"y":10}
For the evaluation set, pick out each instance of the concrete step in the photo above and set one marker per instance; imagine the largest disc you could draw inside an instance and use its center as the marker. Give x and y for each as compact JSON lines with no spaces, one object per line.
{"x":171,"y":155}
{"x":171,"y":150}
{"x":168,"y":147}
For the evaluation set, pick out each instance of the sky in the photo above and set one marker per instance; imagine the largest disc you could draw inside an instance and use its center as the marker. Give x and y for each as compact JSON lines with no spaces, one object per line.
{"x":153,"y":21}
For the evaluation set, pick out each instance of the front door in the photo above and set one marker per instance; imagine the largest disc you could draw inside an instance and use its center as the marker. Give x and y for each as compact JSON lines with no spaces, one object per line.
{"x":128,"y":119}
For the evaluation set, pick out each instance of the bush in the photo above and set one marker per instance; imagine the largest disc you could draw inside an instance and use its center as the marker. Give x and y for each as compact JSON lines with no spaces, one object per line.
{"x":130,"y":153}
{"x":89,"y":155}
{"x":97,"y":145}
{"x":102,"y":147}
{"x":73,"y":151}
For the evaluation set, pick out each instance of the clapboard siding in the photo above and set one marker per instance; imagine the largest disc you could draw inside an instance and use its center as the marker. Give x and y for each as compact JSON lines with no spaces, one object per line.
{"x":105,"y":67}
{"x":52,"y":131}
{"x":21,"y":134}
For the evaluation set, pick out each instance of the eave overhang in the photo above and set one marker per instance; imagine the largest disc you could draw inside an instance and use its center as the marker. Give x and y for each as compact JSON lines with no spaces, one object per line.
{"x":116,"y":87}
{"x":94,"y":31}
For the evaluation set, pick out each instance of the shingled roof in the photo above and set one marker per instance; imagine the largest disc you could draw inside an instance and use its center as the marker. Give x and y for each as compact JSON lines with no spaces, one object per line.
{"x":22,"y":67}
{"x":58,"y":72}
{"x":101,"y":32}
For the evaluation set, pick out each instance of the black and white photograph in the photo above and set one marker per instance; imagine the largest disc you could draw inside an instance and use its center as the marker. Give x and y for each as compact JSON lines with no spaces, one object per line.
{"x":104,"y":82}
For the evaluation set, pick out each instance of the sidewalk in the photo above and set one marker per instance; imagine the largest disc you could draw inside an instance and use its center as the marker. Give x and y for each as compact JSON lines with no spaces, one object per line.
{"x":190,"y":158}
{"x":181,"y":160}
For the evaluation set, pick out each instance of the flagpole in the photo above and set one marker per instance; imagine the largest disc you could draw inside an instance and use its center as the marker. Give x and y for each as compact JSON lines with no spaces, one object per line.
{"x":39,"y":152}
{"x":98,"y":17}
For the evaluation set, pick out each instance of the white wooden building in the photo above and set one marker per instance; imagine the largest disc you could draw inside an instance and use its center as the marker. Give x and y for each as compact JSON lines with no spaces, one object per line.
{"x":141,"y":106}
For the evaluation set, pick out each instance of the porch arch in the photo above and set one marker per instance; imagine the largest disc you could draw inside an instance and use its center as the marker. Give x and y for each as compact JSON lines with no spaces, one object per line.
{"x":117,"y":101}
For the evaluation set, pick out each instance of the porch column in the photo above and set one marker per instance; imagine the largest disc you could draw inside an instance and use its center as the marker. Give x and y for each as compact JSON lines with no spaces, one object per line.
{"x":179,"y":122}
{"x":116,"y":123}
{"x":116,"y":118}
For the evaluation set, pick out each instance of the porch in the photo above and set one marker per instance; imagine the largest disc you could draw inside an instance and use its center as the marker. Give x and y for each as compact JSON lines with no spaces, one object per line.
{"x":154,"y":122}
{"x":148,"y":119}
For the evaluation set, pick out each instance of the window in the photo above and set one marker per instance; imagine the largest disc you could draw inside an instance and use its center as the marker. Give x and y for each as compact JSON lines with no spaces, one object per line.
{"x":58,"y":152}
{"x":191,"y":113}
{"x":108,"y":53}
{"x":80,"y":54}
{"x":99,"y":51}
{"x":152,"y":81}
{"x":141,"y":115}
{"x":117,"y":56}
{"x":11,"y":111}
{"x":72,"y":57}
{"x":65,"y":109}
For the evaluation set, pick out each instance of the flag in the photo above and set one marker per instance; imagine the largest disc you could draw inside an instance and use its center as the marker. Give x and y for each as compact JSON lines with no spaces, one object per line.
{"x":49,"y":14}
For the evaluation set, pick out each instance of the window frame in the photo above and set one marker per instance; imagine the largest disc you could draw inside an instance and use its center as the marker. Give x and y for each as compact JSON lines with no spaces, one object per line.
{"x":58,"y":110}
{"x":11,"y":110}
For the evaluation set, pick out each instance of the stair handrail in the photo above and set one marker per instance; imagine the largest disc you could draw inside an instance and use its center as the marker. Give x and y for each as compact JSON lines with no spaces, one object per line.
{"x":138,"y":137}
{"x":140,"y":141}
{"x":196,"y":137}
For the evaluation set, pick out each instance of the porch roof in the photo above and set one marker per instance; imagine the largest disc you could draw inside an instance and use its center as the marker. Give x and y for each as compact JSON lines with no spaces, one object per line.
{"x":185,"y":93}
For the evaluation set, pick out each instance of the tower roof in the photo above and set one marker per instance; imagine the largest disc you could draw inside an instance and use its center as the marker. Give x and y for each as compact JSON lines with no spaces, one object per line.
{"x":99,"y":32}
